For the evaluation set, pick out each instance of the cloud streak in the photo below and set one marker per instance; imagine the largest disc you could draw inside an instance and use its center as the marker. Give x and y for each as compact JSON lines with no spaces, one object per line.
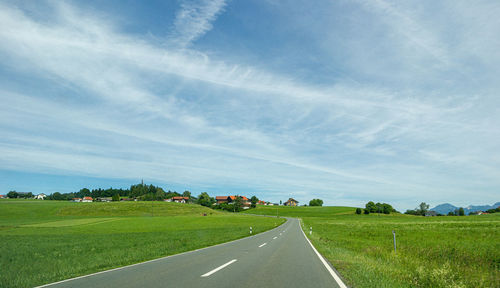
{"x":194,"y":19}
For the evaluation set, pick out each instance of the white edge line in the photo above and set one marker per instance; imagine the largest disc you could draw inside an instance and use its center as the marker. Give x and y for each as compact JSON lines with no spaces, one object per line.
{"x":219,"y":268}
{"x":334,"y":275}
{"x":158,"y":259}
{"x":275,"y":237}
{"x":261,"y":245}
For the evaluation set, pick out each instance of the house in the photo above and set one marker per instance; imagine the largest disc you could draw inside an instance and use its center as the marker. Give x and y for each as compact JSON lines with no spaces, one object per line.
{"x":260,"y":202}
{"x":291,"y":202}
{"x":430,"y":213}
{"x":87,"y":199}
{"x":104,"y":199}
{"x":221,"y":199}
{"x":245,"y":201}
{"x":40,"y":196}
{"x":179,"y":199}
{"x":2,"y":196}
{"x":76,"y":200}
{"x":229,"y":199}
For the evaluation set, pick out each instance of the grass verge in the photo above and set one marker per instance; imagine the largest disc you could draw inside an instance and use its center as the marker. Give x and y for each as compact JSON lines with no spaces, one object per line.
{"x":47,"y":241}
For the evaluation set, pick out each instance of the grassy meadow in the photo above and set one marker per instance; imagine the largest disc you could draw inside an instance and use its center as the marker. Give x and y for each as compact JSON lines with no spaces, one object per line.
{"x":47,"y":241}
{"x":448,"y":251}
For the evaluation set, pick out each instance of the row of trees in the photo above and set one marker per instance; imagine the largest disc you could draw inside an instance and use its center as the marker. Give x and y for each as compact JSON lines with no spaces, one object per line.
{"x":423,"y":208}
{"x":138,"y":191}
{"x":14,"y":194}
{"x":378,"y":207}
{"x":419,"y":211}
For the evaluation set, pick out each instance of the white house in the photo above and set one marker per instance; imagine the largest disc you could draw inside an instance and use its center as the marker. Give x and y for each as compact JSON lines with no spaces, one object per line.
{"x":87,"y":199}
{"x":40,"y":196}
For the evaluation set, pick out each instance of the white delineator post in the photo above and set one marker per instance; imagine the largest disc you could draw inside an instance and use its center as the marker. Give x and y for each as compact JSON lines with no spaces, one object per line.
{"x":394,"y":237}
{"x":250,"y":229}
{"x":310,"y":230}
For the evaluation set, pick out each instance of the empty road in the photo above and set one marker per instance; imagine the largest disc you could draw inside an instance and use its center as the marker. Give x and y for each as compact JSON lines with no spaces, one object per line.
{"x":281,"y":257}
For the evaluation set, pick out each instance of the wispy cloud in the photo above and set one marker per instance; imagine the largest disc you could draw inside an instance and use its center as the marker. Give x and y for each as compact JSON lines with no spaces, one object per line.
{"x":194,"y":19}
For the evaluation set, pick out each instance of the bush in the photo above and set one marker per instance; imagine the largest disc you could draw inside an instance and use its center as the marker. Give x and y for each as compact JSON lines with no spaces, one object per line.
{"x":367,"y":211}
{"x":316,"y":202}
{"x":116,"y":197}
{"x":358,"y":210}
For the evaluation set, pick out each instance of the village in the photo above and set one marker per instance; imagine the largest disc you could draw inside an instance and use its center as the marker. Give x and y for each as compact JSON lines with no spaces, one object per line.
{"x":245,"y":201}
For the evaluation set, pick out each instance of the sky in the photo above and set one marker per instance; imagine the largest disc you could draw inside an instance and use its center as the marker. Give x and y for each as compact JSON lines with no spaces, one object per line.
{"x":346,"y":101}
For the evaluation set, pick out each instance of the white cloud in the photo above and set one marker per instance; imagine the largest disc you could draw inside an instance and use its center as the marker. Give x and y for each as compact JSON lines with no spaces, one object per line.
{"x":194,"y":19}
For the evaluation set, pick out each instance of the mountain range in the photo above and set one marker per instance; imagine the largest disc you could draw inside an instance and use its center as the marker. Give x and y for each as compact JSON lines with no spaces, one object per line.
{"x":447,"y":207}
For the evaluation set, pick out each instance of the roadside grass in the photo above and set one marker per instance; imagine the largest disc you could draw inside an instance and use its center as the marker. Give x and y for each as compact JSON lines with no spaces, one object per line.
{"x":47,"y":241}
{"x":447,"y":251}
{"x":431,"y":251}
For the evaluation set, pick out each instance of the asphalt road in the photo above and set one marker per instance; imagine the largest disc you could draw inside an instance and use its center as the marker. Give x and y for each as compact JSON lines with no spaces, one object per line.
{"x":281,"y":257}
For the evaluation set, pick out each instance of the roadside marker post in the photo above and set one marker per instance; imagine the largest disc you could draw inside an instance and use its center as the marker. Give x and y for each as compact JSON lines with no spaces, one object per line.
{"x":250,"y":229}
{"x":310,"y":230}
{"x":394,"y":237}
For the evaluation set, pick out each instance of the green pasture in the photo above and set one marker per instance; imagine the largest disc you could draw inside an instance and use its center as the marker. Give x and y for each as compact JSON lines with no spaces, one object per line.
{"x":447,"y":251}
{"x":300,"y":211}
{"x":47,"y":241}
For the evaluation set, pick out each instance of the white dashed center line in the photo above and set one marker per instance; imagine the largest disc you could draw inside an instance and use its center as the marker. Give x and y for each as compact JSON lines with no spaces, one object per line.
{"x":218,"y":268}
{"x":275,"y":237}
{"x":261,"y":245}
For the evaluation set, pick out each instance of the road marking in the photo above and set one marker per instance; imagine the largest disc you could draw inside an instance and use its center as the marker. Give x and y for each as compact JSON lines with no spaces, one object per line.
{"x":218,"y":268}
{"x":280,"y":234}
{"x":262,"y":245}
{"x":155,"y":260}
{"x":275,"y":237}
{"x":334,"y":275}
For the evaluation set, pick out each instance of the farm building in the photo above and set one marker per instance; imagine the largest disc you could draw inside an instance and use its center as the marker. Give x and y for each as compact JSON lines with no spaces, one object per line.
{"x":178,"y":199}
{"x":291,"y":202}
{"x":87,"y":199}
{"x":40,"y":196}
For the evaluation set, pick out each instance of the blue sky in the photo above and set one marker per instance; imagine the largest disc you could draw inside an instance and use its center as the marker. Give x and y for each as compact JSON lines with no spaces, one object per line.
{"x":347,"y":101}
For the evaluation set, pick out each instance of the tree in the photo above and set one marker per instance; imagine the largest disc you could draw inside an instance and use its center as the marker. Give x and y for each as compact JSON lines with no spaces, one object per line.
{"x":461,"y":211}
{"x":12,"y":194}
{"x":205,"y":200}
{"x":186,"y":194}
{"x":386,"y":208}
{"x":237,"y":204}
{"x":423,"y":208}
{"x":358,"y":210}
{"x":57,"y":196}
{"x":116,"y":197}
{"x":451,"y":213}
{"x":281,"y":202}
{"x":366,"y":211}
{"x":412,"y":212}
{"x":316,"y":202}
{"x":254,"y":201}
{"x":371,"y":207}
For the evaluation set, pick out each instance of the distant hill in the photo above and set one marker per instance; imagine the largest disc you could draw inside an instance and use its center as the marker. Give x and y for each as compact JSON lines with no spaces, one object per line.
{"x":447,"y":207}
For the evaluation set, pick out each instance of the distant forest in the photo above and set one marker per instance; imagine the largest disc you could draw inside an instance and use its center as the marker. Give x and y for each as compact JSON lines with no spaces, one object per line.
{"x":140,"y":191}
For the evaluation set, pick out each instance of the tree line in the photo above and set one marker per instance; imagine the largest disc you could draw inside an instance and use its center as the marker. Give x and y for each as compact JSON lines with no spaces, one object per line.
{"x":381,"y":208}
{"x":138,"y":191}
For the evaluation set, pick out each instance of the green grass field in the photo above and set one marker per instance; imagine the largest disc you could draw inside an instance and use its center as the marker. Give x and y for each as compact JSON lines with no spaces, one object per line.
{"x":47,"y":241}
{"x":431,"y":251}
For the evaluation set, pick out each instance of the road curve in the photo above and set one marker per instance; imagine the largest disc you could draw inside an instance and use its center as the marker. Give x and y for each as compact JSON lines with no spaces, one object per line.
{"x":281,"y":257}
